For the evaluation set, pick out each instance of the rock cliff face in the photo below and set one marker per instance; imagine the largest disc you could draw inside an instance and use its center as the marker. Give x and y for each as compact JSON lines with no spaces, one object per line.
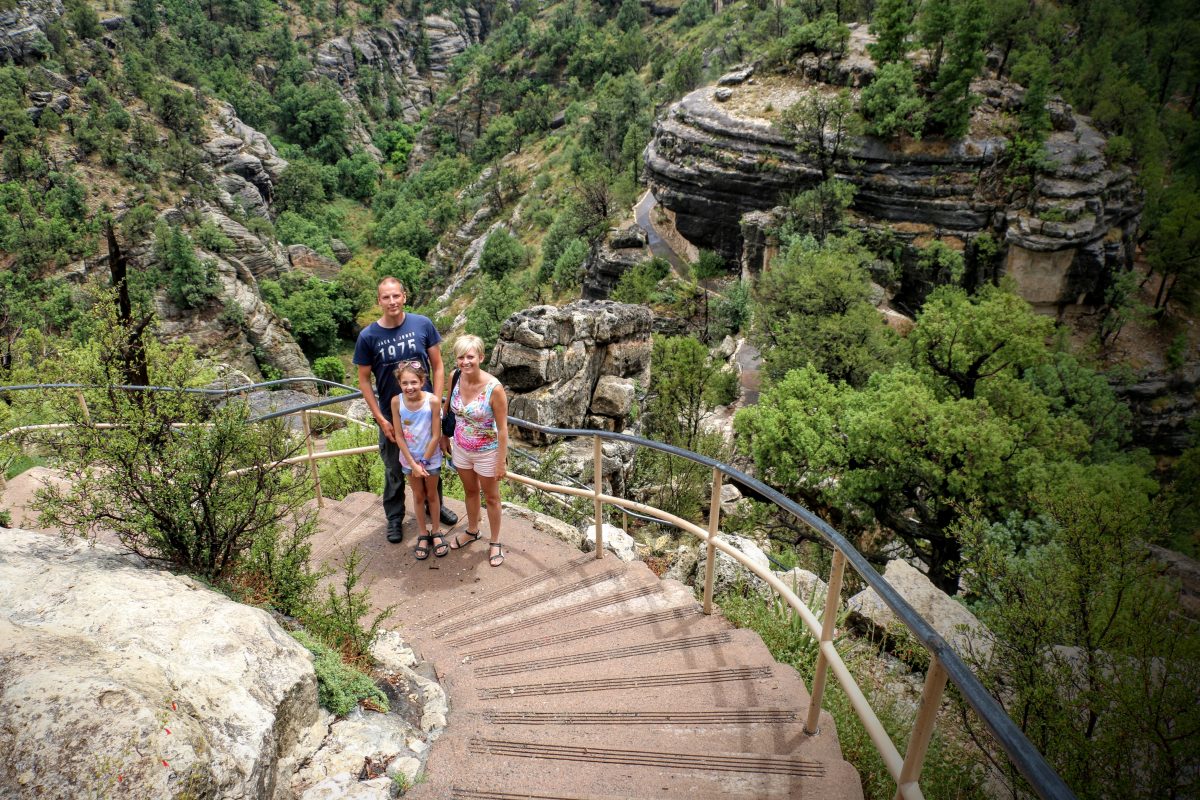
{"x":246,"y":164}
{"x":576,"y":366}
{"x":715,"y":156}
{"x":393,"y":49}
{"x":1163,"y":405}
{"x":22,"y":28}
{"x":241,"y":343}
{"x":97,"y":700}
{"x":621,"y":250}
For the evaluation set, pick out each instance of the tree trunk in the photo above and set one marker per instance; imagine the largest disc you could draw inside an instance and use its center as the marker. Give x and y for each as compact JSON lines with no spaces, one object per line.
{"x":134,"y":351}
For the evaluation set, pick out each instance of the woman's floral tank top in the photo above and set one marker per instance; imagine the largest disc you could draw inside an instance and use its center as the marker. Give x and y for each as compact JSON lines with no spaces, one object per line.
{"x":476,"y":428}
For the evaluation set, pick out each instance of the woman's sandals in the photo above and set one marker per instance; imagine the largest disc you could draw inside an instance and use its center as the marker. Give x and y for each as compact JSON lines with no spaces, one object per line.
{"x":497,"y":558}
{"x":458,"y":543}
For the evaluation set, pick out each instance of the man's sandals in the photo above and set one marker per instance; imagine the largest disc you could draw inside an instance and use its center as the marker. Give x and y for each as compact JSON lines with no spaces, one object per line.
{"x":436,"y":541}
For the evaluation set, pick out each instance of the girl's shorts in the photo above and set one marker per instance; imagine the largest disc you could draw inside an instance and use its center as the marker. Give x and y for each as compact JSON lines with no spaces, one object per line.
{"x":483,"y":462}
{"x":408,"y":470}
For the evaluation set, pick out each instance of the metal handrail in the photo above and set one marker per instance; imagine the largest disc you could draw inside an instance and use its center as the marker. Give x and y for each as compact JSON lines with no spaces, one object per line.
{"x":945,"y":664}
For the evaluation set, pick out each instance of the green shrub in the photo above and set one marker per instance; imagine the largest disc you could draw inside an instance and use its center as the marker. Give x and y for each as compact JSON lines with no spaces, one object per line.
{"x":346,"y":474}
{"x":338,"y":619}
{"x":358,"y":176}
{"x":329,"y":368}
{"x":638,"y":285}
{"x":340,"y":687}
{"x":190,"y":282}
{"x":891,"y":104}
{"x":502,"y":254}
{"x":210,"y":236}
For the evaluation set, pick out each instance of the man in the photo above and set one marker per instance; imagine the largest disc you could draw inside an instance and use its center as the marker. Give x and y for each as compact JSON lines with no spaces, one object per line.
{"x":382,"y":346}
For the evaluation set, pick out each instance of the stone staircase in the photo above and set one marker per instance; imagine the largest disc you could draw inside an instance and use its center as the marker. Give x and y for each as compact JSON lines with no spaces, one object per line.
{"x":571,"y":678}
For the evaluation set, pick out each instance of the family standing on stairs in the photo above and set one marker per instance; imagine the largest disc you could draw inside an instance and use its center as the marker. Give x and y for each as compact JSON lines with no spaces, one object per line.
{"x":403,"y":353}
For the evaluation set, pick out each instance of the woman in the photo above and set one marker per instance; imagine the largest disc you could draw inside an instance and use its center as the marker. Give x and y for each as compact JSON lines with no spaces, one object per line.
{"x":480,"y":442}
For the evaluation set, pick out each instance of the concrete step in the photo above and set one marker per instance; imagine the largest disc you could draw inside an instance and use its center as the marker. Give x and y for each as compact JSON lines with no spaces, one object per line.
{"x":572,"y":678}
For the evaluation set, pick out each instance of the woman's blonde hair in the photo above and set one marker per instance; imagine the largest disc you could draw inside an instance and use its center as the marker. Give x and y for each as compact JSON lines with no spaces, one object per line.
{"x":467,"y":343}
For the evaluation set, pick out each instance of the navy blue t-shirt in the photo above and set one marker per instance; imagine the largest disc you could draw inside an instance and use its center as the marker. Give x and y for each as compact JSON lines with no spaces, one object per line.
{"x":383,"y":349}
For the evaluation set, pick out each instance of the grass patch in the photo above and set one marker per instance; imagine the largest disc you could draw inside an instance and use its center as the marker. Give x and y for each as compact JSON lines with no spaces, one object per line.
{"x":22,"y":463}
{"x":953,"y":768}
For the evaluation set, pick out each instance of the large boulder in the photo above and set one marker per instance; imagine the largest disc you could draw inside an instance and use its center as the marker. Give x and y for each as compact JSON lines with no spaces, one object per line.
{"x":575,"y":366}
{"x":122,"y":679}
{"x":958,"y":626}
{"x":729,"y":574}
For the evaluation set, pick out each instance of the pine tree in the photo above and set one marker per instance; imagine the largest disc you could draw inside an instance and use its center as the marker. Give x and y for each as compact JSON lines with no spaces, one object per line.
{"x":952,"y":99}
{"x":892,"y":23}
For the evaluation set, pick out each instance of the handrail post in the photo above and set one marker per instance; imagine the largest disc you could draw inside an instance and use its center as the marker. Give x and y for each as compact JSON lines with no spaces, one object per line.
{"x":714,"y":525}
{"x":598,"y":479}
{"x":833,"y":601}
{"x":87,"y":415}
{"x":312,"y":464}
{"x":918,"y":741}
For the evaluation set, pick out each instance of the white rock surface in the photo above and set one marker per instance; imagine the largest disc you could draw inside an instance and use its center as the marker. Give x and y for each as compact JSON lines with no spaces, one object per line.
{"x":115,"y":670}
{"x":951,"y":619}
{"x":616,"y":541}
{"x":728,"y":573}
{"x":807,"y":586}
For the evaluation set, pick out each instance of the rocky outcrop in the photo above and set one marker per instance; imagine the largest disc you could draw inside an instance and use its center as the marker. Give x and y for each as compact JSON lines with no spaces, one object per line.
{"x":958,"y":626}
{"x":262,"y":259}
{"x":238,"y":329}
{"x":394,"y":49}
{"x":1163,"y":405}
{"x":1186,"y":571}
{"x":22,"y":28}
{"x":575,"y":366}
{"x":394,"y":746}
{"x":622,"y":249}
{"x":246,"y":164}
{"x":310,"y":262}
{"x":97,"y":699}
{"x":710,"y":162}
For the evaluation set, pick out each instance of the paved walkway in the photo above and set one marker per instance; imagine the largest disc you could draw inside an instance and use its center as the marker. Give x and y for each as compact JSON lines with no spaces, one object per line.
{"x":572,"y":678}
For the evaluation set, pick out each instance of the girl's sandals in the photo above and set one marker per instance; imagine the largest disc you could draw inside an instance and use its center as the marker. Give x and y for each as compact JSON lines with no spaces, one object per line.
{"x":497,"y":558}
{"x":421,"y":551}
{"x":457,"y":542}
{"x":439,"y":545}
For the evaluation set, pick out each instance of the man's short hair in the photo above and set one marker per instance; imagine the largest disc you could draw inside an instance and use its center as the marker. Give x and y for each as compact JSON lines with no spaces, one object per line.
{"x":391,"y":279}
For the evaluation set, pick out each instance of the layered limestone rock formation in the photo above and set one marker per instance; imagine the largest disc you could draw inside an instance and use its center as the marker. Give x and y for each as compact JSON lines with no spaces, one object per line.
{"x":22,"y":28}
{"x":395,"y":48}
{"x":574,"y":367}
{"x":623,"y":249}
{"x":716,"y":156}
{"x":124,"y":680}
{"x":246,"y":164}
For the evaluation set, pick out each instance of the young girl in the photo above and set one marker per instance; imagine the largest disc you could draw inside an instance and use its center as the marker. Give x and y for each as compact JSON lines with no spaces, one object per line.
{"x":416,"y":416}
